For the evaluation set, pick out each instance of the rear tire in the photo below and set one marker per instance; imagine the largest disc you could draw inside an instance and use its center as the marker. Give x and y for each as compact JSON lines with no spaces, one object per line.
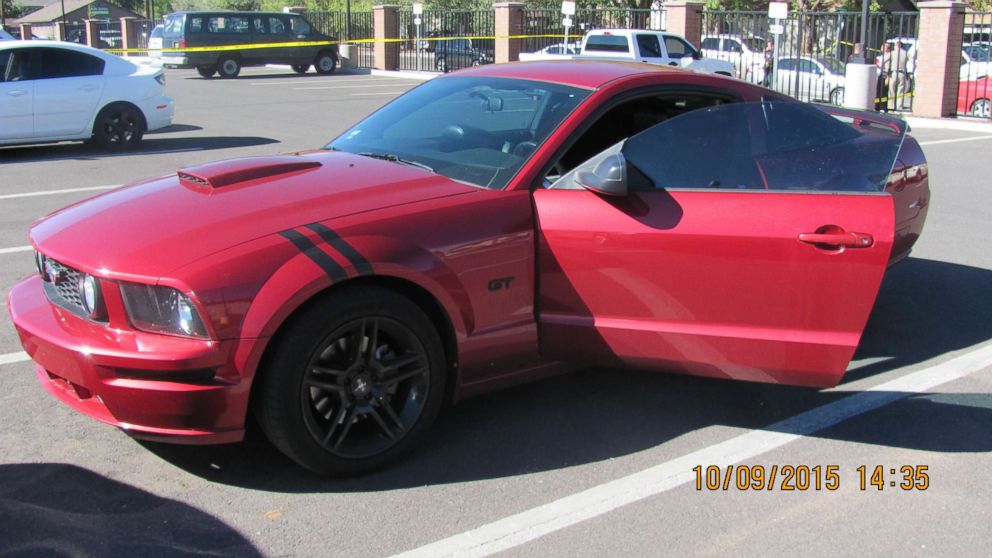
{"x":118,"y":127}
{"x":354,"y":382}
{"x":301,"y":68}
{"x":837,"y":96}
{"x":206,"y":71}
{"x":325,"y":63}
{"x":228,"y":67}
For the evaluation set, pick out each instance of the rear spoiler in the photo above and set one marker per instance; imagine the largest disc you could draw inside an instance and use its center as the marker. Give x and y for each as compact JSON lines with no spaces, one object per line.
{"x":866,"y":118}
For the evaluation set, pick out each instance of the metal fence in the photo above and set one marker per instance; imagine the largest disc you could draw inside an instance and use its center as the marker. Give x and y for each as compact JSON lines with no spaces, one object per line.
{"x":447,"y":40}
{"x":359,"y":27}
{"x":975,"y":87}
{"x":813,"y":50}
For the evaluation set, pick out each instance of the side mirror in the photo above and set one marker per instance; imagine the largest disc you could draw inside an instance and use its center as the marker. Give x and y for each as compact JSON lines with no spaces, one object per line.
{"x":697,"y":55}
{"x":609,"y":178}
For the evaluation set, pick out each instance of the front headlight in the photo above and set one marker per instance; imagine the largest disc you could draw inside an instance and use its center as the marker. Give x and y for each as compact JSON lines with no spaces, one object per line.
{"x":161,"y":309}
{"x":90,"y":295}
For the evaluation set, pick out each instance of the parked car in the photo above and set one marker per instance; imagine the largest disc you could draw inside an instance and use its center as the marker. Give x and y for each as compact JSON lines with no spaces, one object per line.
{"x":747,"y":54}
{"x":155,"y":42}
{"x":454,"y":54}
{"x":231,"y":29}
{"x":556,"y":51}
{"x":56,"y":91}
{"x":480,"y":230}
{"x":975,"y":97}
{"x":5,"y":36}
{"x":652,"y":47}
{"x":818,"y":79}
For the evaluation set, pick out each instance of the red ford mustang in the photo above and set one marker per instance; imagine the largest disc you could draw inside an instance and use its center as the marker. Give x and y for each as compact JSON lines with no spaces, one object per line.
{"x":487,"y":227}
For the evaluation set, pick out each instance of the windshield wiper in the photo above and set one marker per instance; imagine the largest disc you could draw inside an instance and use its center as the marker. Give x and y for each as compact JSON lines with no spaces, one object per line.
{"x":396,"y":159}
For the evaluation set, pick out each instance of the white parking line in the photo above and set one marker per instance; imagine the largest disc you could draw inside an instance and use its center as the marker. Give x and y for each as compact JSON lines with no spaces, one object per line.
{"x":343,"y":87}
{"x":11,"y":358}
{"x":296,"y":81}
{"x":956,"y":140}
{"x":16,"y":249}
{"x":528,"y":525}
{"x":373,"y":94}
{"x":55,"y":192}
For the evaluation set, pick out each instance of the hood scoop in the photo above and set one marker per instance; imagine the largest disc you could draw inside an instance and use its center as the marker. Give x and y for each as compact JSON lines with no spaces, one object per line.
{"x":235,"y":171}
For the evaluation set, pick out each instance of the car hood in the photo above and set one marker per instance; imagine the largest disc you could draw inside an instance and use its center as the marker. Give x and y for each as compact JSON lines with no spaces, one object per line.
{"x":151,"y":228}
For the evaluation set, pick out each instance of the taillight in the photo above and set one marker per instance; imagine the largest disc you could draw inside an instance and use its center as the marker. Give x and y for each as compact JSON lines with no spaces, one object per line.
{"x":182,"y":43}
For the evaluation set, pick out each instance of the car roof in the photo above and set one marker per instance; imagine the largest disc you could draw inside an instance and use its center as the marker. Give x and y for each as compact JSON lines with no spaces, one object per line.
{"x":587,"y":74}
{"x":231,"y":13}
{"x":113,"y":61}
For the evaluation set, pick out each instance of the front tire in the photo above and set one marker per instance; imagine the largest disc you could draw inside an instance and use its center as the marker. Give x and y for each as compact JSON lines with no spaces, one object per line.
{"x":354,"y":383}
{"x":229,"y":67}
{"x":982,"y":108}
{"x":325,"y":63}
{"x":118,"y":127}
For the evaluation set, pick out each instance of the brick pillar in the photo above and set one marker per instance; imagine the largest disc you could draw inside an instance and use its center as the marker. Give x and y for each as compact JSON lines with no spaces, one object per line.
{"x":386,"y":25}
{"x":938,"y":58}
{"x":25,"y":31}
{"x":59,"y":31}
{"x":93,"y":33}
{"x":686,"y":19}
{"x":129,"y":35}
{"x":509,"y":23}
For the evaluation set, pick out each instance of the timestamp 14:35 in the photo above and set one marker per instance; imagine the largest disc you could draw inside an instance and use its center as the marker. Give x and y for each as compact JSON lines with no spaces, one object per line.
{"x":805,"y":477}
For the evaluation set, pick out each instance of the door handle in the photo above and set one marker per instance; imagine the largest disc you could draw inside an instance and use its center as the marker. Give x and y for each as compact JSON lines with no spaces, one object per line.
{"x":17,"y":93}
{"x":838,"y":239}
{"x":673,"y":63}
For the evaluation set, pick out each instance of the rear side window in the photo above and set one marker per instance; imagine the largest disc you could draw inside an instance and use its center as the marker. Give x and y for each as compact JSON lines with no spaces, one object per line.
{"x":174,"y":25}
{"x":59,"y":63}
{"x":607,"y":43}
{"x":649,"y":46}
{"x":4,"y":58}
{"x":710,"y":44}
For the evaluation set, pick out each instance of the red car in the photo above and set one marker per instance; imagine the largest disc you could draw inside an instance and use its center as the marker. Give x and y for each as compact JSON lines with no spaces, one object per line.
{"x":975,"y":97}
{"x":488,"y":227}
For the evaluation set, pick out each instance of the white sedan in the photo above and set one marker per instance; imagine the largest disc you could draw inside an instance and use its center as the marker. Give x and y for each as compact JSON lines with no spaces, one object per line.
{"x":54,"y":91}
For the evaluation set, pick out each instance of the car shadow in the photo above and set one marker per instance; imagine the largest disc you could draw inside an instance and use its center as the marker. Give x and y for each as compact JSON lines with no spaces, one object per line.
{"x":149,"y":146}
{"x":287,"y":74}
{"x":54,"y":509}
{"x":603,"y":413}
{"x":174,"y":128}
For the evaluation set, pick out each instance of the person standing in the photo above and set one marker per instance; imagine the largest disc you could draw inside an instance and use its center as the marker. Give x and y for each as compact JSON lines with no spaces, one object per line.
{"x":858,"y":56}
{"x":884,"y":79}
{"x":898,"y":76}
{"x":769,"y":65}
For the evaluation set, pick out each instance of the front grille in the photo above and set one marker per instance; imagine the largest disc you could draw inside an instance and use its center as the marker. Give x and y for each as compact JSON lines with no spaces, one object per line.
{"x":62,"y":287}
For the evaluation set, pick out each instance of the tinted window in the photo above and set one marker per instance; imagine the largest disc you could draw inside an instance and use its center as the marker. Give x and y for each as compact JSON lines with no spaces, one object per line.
{"x":223,"y":24}
{"x":475,"y":130}
{"x":649,"y":46}
{"x":677,"y":48}
{"x":174,"y":25}
{"x":732,"y":46}
{"x":59,"y":63}
{"x":4,"y":58}
{"x":809,"y":66}
{"x":796,"y":147}
{"x":277,"y":26}
{"x":607,"y":43}
{"x":787,"y":64}
{"x":156,"y":33}
{"x":299,"y":26}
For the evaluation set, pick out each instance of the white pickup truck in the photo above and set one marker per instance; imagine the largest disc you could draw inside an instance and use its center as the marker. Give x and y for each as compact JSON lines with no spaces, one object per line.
{"x":653,"y":47}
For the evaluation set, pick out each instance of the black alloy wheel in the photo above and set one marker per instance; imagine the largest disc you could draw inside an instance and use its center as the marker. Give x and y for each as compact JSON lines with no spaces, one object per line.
{"x":356,"y":382}
{"x":118,"y":127}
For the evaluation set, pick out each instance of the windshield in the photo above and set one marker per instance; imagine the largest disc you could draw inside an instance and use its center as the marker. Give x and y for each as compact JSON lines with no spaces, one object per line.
{"x":756,"y":44}
{"x":835,"y":66}
{"x":477,"y":130}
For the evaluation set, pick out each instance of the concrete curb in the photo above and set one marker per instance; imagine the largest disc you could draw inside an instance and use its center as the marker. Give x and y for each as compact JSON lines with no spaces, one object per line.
{"x":917,"y":122}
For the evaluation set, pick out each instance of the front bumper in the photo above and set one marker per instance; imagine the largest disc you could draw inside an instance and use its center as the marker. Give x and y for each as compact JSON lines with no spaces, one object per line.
{"x":151,"y":386}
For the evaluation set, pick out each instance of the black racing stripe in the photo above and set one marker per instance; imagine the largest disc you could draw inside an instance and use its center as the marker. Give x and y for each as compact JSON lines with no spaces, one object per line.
{"x":347,"y":250}
{"x":319,"y":257}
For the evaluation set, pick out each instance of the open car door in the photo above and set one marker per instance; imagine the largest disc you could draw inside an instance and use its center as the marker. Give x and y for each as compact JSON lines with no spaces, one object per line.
{"x":743,"y":241}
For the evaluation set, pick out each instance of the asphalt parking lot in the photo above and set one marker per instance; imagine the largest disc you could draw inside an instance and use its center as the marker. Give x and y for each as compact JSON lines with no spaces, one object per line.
{"x":595,"y":463}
